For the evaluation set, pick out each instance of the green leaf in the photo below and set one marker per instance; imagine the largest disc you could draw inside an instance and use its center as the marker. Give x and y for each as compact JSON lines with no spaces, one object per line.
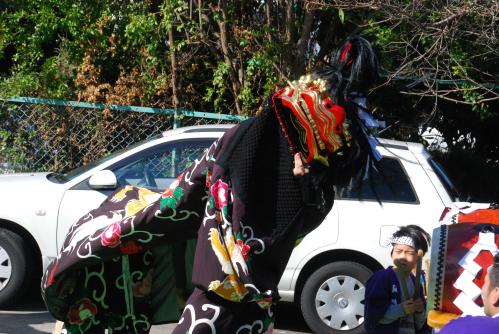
{"x":170,"y":202}
{"x":178,"y":192}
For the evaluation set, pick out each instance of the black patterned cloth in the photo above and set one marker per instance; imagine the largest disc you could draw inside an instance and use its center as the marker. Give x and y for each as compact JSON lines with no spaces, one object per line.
{"x":240,"y":199}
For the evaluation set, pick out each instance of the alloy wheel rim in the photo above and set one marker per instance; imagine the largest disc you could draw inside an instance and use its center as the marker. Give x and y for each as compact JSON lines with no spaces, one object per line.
{"x":339,"y":302}
{"x":5,"y":268}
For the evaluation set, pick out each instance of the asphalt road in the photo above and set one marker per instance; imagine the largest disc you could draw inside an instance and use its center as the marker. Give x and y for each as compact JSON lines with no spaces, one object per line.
{"x":29,"y":316}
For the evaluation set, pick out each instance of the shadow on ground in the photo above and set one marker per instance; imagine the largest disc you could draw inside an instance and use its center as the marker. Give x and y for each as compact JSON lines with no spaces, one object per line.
{"x":289,"y":317}
{"x":27,"y":316}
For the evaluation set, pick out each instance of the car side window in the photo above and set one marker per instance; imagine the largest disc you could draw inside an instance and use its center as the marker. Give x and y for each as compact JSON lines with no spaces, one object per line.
{"x":389,"y":184}
{"x":156,"y":168}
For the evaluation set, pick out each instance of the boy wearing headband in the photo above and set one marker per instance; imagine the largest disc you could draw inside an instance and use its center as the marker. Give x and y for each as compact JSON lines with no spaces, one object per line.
{"x":393,"y":301}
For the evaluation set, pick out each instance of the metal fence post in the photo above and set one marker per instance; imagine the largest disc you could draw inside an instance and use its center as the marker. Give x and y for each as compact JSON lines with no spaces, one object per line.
{"x":176,"y":121}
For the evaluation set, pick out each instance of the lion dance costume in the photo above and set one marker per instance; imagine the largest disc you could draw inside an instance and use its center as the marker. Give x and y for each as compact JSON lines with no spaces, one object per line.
{"x":242,"y":202}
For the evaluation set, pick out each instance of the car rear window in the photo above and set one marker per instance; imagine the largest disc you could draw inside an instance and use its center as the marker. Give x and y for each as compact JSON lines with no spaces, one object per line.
{"x":389,"y":184}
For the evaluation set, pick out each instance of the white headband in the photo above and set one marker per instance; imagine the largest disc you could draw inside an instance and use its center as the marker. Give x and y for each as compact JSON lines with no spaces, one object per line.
{"x":408,"y":241}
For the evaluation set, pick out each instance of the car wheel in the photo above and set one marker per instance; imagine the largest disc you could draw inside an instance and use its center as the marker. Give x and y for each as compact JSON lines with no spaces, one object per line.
{"x":333,"y":296}
{"x":14,"y":267}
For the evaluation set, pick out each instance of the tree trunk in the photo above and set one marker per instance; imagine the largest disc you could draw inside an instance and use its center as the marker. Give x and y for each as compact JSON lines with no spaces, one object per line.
{"x":173,"y":61}
{"x":224,"y":44}
{"x":268,"y":18}
{"x":289,"y":35}
{"x":302,"y":44}
{"x":200,"y":16}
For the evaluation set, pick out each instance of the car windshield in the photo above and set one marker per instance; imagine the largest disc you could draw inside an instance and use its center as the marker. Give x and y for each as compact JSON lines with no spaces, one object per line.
{"x":449,"y":186}
{"x":66,"y":177}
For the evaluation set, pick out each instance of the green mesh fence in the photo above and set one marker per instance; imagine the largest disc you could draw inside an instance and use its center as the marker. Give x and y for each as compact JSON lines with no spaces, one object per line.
{"x":53,"y":135}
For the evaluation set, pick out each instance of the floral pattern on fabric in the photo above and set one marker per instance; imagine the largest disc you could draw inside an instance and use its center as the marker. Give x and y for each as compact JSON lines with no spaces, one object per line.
{"x":143,"y":288}
{"x":228,"y":253}
{"x":125,"y":225}
{"x":121,"y":195}
{"x":145,"y":198}
{"x":104,"y":303}
{"x":204,"y":315}
{"x":220,"y":192}
{"x":244,"y":249}
{"x":262,"y":301}
{"x":172,"y":194}
{"x":81,"y":311}
{"x":231,"y":288}
{"x":111,"y":237}
{"x":258,"y":326}
{"x":130,"y":248}
{"x":233,"y":252}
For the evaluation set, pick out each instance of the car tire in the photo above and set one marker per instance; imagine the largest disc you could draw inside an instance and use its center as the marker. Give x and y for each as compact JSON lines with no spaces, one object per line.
{"x":15,"y":269}
{"x":332,"y":298}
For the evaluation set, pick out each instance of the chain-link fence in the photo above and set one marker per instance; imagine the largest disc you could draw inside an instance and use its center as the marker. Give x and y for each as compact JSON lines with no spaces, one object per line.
{"x":54,"y":135}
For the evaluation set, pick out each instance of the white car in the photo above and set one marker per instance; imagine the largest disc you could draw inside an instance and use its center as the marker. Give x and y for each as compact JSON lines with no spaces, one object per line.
{"x":328,"y":269}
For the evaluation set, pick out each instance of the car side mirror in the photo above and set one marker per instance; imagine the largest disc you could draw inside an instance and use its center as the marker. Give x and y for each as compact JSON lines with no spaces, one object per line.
{"x":103,"y":179}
